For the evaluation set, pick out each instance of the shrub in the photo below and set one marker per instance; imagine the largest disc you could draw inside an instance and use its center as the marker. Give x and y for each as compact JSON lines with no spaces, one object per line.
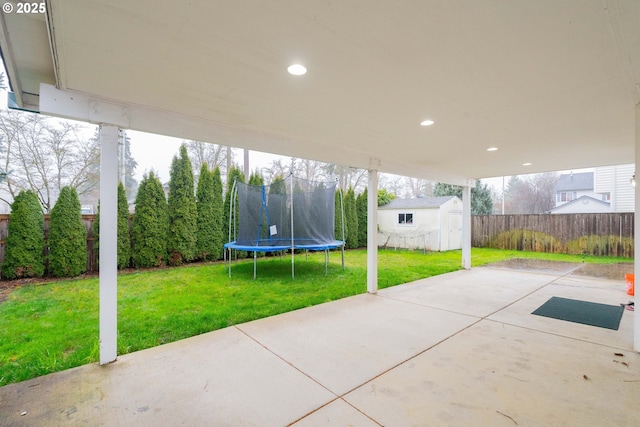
{"x":218,"y":215}
{"x":351,"y":218}
{"x":206,"y":221}
{"x":25,"y":240}
{"x":234,"y":174}
{"x":67,"y":236}
{"x":150,"y":224}
{"x":124,"y":230}
{"x":361,"y":207}
{"x":183,"y":226}
{"x":340,"y":217}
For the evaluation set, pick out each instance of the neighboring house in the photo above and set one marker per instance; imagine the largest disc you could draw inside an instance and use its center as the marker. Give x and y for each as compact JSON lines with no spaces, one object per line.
{"x":87,"y":210}
{"x":574,"y":185}
{"x":614,"y":185}
{"x":583,"y":204}
{"x":428,"y":223}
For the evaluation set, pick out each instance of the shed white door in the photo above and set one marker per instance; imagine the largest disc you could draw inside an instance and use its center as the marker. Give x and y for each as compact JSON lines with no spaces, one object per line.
{"x":455,"y":230}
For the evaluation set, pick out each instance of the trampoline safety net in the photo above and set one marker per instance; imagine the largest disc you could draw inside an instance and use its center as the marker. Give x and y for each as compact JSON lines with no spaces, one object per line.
{"x":290,"y":212}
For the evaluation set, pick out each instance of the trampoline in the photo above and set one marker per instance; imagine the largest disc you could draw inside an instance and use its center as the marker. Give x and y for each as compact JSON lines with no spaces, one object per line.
{"x":287,"y":215}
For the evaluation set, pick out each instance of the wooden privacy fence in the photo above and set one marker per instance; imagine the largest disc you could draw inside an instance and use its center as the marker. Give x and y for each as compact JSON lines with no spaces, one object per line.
{"x":606,"y":234}
{"x":92,"y":257}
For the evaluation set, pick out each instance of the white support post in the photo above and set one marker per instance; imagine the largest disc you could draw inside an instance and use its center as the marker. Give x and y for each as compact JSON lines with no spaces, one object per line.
{"x":372,"y":232}
{"x":108,"y":243}
{"x":466,"y":226}
{"x":636,"y":228}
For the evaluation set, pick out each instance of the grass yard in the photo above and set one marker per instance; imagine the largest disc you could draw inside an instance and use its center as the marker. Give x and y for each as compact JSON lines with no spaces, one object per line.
{"x":50,"y":327}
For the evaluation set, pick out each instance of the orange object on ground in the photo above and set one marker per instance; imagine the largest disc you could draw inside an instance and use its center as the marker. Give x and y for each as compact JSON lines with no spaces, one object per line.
{"x":630,"y":283}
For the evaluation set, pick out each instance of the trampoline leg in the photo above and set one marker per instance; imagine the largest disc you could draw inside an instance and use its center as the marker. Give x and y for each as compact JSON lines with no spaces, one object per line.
{"x":255,"y":256}
{"x":293,"y":264}
{"x":343,"y":257}
{"x":326,"y":262}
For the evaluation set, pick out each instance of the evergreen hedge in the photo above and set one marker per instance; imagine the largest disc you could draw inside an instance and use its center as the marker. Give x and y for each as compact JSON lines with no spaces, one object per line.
{"x":361,"y":207}
{"x":67,"y":236}
{"x":340,"y":217}
{"x":183,"y":225}
{"x":218,"y":216}
{"x":234,"y":174}
{"x":205,"y":242}
{"x":351,"y":218}
{"x":150,"y":224}
{"x":124,"y":230}
{"x":24,"y":256}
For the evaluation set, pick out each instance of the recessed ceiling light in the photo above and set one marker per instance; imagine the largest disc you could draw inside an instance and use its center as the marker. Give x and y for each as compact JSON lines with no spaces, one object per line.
{"x":426,"y":122}
{"x":492,"y":149}
{"x":527,"y":164}
{"x":297,"y":69}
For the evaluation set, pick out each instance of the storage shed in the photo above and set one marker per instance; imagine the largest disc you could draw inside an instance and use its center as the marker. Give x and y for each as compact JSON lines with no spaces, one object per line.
{"x":428,"y":223}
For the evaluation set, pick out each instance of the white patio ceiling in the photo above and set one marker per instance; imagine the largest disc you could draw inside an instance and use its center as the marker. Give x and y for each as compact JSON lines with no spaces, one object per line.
{"x":552,"y":83}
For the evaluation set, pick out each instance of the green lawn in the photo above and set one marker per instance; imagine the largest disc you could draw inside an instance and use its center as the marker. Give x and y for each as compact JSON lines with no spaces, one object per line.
{"x":51,"y":327}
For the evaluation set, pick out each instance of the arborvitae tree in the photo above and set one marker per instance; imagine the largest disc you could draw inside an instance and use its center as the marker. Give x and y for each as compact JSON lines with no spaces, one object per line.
{"x":340,"y":217}
{"x":279,"y":213}
{"x":218,"y":215}
{"x":481,"y":200}
{"x":24,"y":256}
{"x":234,"y":174}
{"x":384,"y":196}
{"x":150,"y":224}
{"x":67,"y":236}
{"x":351,"y":219}
{"x":361,"y":207}
{"x":256,"y":179}
{"x":183,"y":225}
{"x":95,"y":230}
{"x":124,"y":230}
{"x":205,"y":245}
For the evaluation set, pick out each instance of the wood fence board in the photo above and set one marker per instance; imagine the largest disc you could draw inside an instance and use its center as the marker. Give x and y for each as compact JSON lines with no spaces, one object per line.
{"x":607,"y":234}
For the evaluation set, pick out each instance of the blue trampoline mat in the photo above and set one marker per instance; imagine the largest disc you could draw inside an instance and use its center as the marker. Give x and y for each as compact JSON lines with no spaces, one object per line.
{"x":262,"y":247}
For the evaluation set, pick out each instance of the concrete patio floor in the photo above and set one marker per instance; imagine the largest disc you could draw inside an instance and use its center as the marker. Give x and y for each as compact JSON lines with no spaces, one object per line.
{"x":457,"y":349}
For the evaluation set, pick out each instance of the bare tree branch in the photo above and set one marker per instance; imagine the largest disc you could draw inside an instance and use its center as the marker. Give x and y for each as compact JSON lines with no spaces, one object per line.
{"x":45,"y":155}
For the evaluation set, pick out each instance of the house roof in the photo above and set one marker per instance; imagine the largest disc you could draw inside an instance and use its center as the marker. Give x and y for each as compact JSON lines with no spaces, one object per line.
{"x":575,"y":181}
{"x":536,"y":79}
{"x":580,"y":199}
{"x":417,"y":203}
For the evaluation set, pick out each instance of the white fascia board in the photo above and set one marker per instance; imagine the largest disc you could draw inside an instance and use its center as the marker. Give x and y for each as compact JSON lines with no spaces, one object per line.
{"x":80,"y":106}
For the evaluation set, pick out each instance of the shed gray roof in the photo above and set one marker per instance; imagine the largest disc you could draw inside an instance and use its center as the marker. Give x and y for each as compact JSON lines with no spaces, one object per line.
{"x":418,"y":203}
{"x":575,"y":181}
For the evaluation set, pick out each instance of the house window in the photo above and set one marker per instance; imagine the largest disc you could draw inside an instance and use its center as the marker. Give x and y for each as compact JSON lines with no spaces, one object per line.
{"x":405,"y":218}
{"x":565,"y":196}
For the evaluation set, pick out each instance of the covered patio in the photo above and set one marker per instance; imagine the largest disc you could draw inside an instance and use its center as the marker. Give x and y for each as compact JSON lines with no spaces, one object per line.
{"x":441,"y":90}
{"x":461,"y":349}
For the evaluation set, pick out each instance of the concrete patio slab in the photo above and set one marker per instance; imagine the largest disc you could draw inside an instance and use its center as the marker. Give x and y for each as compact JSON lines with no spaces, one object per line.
{"x":339,"y":414}
{"x":411,"y":355}
{"x":345,"y":343}
{"x":477,"y":292}
{"x":221,"y":378}
{"x":493,"y":374}
{"x":598,"y":290}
